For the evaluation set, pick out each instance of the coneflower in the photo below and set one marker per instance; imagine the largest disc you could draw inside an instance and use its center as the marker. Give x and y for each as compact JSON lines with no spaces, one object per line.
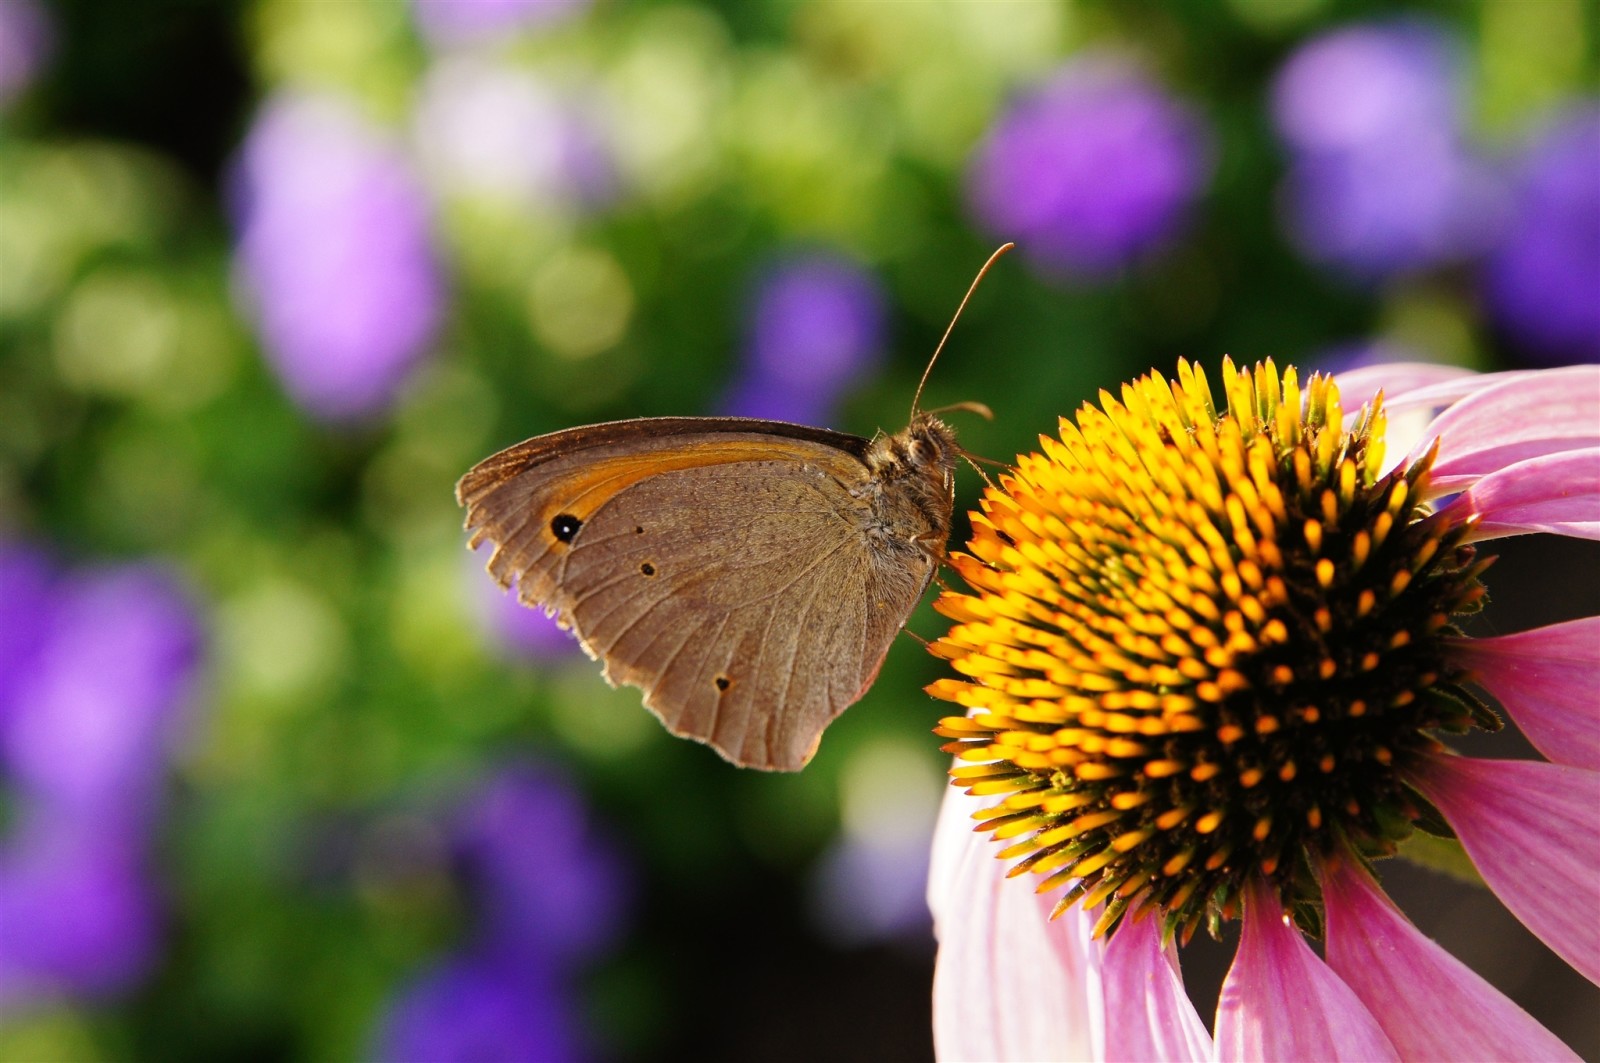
{"x":1211,"y":662}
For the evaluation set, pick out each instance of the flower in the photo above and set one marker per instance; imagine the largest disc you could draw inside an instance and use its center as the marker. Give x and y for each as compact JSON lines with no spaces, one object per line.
{"x":1091,"y":170}
{"x":817,"y":325}
{"x":94,"y":709}
{"x":1210,"y":659}
{"x":867,"y":886}
{"x":1543,"y":276}
{"x":95,"y":668}
{"x":335,"y":255}
{"x":452,"y":23}
{"x":547,"y":892}
{"x":27,"y":39}
{"x":1379,"y":178}
{"x":1356,"y":354}
{"x":516,"y":629}
{"x":561,"y":898}
{"x":78,"y":913}
{"x":476,"y":1007}
{"x":495,"y":130}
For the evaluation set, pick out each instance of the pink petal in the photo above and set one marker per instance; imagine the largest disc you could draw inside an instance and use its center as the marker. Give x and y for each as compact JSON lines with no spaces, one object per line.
{"x":1148,"y":1014}
{"x":1556,"y":493}
{"x":1524,"y":416}
{"x":1446,"y":391}
{"x":1398,"y":379}
{"x":1430,"y":1004}
{"x":1533,"y":831}
{"x":1545,"y":680}
{"x":1010,"y":983}
{"x":1280,"y":1001}
{"x":952,"y":837}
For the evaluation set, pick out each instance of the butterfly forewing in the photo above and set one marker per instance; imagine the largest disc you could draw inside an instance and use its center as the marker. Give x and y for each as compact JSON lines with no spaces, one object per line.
{"x":731,"y":576}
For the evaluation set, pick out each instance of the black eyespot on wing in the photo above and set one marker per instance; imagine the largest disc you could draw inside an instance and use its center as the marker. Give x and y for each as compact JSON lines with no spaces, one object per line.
{"x":647,"y":569}
{"x":638,"y":529}
{"x":723,"y":682}
{"x":564,"y":526}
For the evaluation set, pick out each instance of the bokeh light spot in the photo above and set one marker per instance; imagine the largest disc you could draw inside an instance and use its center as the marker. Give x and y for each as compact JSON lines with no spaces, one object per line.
{"x":580,"y":303}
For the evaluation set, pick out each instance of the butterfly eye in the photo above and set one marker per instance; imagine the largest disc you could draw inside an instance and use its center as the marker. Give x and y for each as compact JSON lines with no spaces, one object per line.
{"x":564,"y":526}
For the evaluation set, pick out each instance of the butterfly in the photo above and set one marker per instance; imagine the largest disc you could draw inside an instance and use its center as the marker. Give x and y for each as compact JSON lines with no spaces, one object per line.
{"x":747,"y":575}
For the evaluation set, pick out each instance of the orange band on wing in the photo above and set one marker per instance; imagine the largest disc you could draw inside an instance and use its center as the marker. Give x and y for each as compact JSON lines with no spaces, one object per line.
{"x":582,"y":491}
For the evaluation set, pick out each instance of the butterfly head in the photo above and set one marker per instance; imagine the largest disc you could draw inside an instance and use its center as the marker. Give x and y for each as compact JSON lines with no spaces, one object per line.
{"x":917,"y":465}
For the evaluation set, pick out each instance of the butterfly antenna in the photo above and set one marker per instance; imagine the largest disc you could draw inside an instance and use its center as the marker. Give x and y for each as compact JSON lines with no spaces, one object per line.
{"x":972,"y":460}
{"x":967,"y":407}
{"x":1002,"y":249}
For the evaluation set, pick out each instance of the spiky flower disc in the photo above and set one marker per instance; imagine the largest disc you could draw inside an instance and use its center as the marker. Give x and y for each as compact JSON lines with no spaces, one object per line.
{"x":1201,"y":647}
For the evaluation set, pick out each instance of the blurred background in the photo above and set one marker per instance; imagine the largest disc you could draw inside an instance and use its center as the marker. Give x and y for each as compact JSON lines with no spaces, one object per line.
{"x":284,"y":776}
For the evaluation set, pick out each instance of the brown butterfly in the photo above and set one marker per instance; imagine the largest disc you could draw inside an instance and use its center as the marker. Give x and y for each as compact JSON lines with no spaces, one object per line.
{"x":747,"y":575}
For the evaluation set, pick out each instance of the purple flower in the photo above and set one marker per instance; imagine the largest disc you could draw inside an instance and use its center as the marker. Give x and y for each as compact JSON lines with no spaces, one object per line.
{"x":817,"y":324}
{"x":447,"y":23}
{"x":473,"y":1008}
{"x":495,"y":130}
{"x":1362,"y":354}
{"x":866,"y":890}
{"x":1379,"y":179}
{"x":547,"y":892}
{"x":77,"y":913}
{"x":521,"y":630}
{"x":26,"y":582}
{"x":1367,"y":86}
{"x":763,"y":397}
{"x":1544,"y":278}
{"x":1089,"y":171}
{"x":27,"y":39}
{"x":94,"y":670}
{"x":1376,"y":213}
{"x":335,"y":255}
{"x":92,"y":713}
{"x":545,"y":884}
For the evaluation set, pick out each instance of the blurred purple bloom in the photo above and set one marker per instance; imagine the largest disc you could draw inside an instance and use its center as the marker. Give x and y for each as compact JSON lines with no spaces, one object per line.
{"x":525,"y":630}
{"x":26,"y":603}
{"x":1359,"y":354}
{"x":1090,"y":170}
{"x":335,"y":255}
{"x":477,"y":1009}
{"x":1379,"y":178}
{"x":547,"y":893}
{"x":27,"y":39}
{"x":866,"y":890}
{"x":522,"y":630}
{"x":771,"y":400}
{"x":545,"y":884}
{"x":1377,"y":213}
{"x":455,"y":22}
{"x":77,"y":914}
{"x":817,"y":325}
{"x":93,"y":712}
{"x":1368,"y":85}
{"x":95,"y":669}
{"x":491,"y":129}
{"x":1544,"y":278}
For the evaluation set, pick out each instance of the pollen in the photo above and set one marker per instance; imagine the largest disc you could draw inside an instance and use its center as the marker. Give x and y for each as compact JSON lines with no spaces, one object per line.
{"x":1201,"y":643}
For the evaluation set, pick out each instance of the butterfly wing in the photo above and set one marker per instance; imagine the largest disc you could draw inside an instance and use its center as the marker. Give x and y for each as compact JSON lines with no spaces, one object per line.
{"x":724,"y":568}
